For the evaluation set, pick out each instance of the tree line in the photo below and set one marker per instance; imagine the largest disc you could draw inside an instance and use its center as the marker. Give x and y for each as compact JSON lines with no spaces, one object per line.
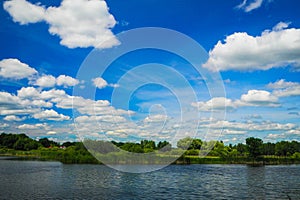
{"x":253,"y":147}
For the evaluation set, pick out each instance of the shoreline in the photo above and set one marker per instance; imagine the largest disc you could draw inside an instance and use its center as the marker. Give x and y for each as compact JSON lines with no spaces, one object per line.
{"x":186,"y":160}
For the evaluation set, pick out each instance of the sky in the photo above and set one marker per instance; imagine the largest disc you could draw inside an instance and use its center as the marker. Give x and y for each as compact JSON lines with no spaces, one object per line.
{"x":76,"y":69}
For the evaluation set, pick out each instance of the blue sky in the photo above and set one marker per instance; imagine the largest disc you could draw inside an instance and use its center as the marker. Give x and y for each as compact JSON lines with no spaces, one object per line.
{"x":251,"y":45}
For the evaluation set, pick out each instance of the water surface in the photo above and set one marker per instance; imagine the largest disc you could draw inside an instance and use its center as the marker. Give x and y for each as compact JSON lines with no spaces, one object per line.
{"x":53,"y":180}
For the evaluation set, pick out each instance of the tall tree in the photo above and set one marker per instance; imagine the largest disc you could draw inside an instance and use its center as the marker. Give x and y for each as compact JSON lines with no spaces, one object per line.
{"x":254,"y":146}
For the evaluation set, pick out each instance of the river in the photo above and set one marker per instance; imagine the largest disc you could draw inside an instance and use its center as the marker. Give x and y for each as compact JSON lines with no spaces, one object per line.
{"x":53,"y":180}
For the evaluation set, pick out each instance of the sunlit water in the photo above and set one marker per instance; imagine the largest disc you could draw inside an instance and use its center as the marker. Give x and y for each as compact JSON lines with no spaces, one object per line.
{"x":53,"y":180}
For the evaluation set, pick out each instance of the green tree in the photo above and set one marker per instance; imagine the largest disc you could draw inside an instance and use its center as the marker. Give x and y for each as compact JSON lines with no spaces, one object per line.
{"x":196,"y":144}
{"x":164,"y":146}
{"x":268,"y":148}
{"x":31,"y":144}
{"x":254,"y":146}
{"x":148,"y":144}
{"x":185,"y":143}
{"x":132,"y":147}
{"x":19,"y":144}
{"x":282,"y":148}
{"x":45,"y":142}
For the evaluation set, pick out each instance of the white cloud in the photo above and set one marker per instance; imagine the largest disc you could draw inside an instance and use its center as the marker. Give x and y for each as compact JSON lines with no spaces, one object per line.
{"x":243,"y":52}
{"x":259,"y":98}
{"x":27,"y":126}
{"x":253,"y":116}
{"x":248,"y":126}
{"x":215,"y":104}
{"x":13,"y":118}
{"x":252,"y":98}
{"x":46,"y":81}
{"x":284,"y":88}
{"x":66,"y":81}
{"x":293,"y":132}
{"x":51,"y":133}
{"x":291,"y":91}
{"x":15,"y":69}
{"x":38,"y":103}
{"x":50,"y":115}
{"x":281,"y":25}
{"x":24,"y":12}
{"x":13,"y":105}
{"x":282,"y":84}
{"x":43,"y":126}
{"x":5,"y":125}
{"x":233,"y":132}
{"x":247,"y":7}
{"x":30,"y":96}
{"x":155,"y":118}
{"x":53,"y":94}
{"x":100,"y":82}
{"x":28,"y":92}
{"x":27,"y":102}
{"x":241,"y":5}
{"x":78,"y":23}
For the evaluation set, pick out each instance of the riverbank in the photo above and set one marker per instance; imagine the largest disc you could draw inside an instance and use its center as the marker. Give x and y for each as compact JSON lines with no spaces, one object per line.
{"x":84,"y":157}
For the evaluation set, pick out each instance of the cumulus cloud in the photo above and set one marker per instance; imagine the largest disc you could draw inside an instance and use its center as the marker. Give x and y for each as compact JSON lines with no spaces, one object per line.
{"x":51,"y":133}
{"x":15,"y":69}
{"x":252,"y":98}
{"x":46,"y":81}
{"x":284,"y":88}
{"x":34,"y":126}
{"x":78,"y":23}
{"x":50,"y":115}
{"x":249,"y":126}
{"x":66,"y":81}
{"x":11,"y":104}
{"x":281,"y":25}
{"x":215,"y":104}
{"x":247,"y":7}
{"x":282,"y":84}
{"x":24,"y":12}
{"x":155,"y":118}
{"x":259,"y":98}
{"x":13,"y":118}
{"x":28,"y":92}
{"x":26,"y":102}
{"x":100,"y":82}
{"x":243,"y":52}
{"x":5,"y":125}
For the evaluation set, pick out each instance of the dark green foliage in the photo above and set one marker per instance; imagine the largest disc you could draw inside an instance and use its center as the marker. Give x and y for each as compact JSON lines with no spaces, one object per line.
{"x":45,"y":142}
{"x":18,"y":142}
{"x":254,"y":146}
{"x":189,"y":143}
{"x":148,"y":144}
{"x":184,"y":143}
{"x":285,"y":148}
{"x":241,"y":148}
{"x":75,"y":152}
{"x":164,"y":146}
{"x":102,"y":147}
{"x":8,"y":140}
{"x":268,"y":149}
{"x":67,"y":144}
{"x":132,"y":147}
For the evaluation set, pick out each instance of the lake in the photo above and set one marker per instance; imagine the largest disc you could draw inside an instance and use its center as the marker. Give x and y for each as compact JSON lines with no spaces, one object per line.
{"x":53,"y":180}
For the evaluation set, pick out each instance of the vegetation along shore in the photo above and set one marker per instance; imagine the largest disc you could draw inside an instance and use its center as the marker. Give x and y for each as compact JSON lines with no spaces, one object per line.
{"x":254,"y":151}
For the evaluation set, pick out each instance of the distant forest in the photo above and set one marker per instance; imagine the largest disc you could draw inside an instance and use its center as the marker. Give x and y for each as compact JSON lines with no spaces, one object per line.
{"x":189,"y":148}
